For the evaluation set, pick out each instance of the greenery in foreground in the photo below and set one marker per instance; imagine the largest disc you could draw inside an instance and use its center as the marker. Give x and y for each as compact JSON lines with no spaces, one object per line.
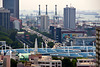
{"x":10,"y":37}
{"x":13,"y":63}
{"x":66,"y":62}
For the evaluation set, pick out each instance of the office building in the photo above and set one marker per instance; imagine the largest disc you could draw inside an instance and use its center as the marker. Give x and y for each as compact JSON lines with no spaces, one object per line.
{"x":13,"y":6}
{"x":4,"y":18}
{"x":58,"y":34}
{"x":44,"y":21}
{"x":98,"y":47}
{"x":52,"y":31}
{"x":69,"y":17}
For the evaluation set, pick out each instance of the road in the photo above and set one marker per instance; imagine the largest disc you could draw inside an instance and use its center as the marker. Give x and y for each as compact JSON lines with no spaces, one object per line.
{"x":45,"y":39}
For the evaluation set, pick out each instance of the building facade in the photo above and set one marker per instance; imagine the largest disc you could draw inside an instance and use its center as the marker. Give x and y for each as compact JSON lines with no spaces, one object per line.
{"x":5,"y":18}
{"x":86,"y":63}
{"x":13,"y":6}
{"x":44,"y":21}
{"x":58,"y":34}
{"x":97,"y":47}
{"x":69,"y":17}
{"x":52,"y":31}
{"x":44,"y":61}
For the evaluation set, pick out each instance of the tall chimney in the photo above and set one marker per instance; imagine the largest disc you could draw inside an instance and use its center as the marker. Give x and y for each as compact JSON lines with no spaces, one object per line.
{"x":55,"y":9}
{"x":39,"y":10}
{"x":46,"y":10}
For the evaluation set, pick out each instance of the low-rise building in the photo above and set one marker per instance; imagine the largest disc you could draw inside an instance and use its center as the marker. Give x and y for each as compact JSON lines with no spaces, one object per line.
{"x":5,"y":61}
{"x":44,"y":61}
{"x":86,"y":63}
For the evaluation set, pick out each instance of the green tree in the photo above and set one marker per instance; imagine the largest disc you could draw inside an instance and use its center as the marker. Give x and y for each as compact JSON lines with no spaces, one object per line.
{"x":50,"y":44}
{"x":66,"y":62}
{"x":13,"y":63}
{"x":74,"y":62}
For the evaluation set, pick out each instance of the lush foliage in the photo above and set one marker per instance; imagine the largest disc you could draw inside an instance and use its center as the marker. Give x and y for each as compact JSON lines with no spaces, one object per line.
{"x":13,"y":63}
{"x":10,"y":37}
{"x":51,"y":44}
{"x":66,"y":62}
{"x":44,"y":33}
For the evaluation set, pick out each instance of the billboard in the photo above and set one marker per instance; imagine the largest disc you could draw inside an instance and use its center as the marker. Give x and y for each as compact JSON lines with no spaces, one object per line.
{"x":69,"y":36}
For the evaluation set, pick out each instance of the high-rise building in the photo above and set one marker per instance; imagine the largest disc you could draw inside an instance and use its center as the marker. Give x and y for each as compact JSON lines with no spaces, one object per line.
{"x":5,"y":18}
{"x":69,"y":17}
{"x":58,"y":34}
{"x":52,"y":31}
{"x":44,"y":21}
{"x":13,"y":6}
{"x":98,"y":47}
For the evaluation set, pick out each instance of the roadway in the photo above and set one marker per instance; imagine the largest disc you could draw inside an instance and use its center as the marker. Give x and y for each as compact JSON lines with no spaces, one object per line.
{"x":45,"y":39}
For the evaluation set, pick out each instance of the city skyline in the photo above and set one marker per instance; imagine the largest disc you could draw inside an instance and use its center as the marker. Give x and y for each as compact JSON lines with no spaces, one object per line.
{"x":79,"y":4}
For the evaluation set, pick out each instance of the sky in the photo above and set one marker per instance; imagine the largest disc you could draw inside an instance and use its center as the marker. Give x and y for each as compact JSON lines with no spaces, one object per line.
{"x":78,"y":4}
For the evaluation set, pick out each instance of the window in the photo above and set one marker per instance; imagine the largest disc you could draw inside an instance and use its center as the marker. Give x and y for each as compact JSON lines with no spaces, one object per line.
{"x":47,"y":63}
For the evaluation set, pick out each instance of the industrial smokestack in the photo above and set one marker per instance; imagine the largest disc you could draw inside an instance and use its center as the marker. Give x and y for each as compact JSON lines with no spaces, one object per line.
{"x":39,"y":10}
{"x":46,"y":10}
{"x":55,"y":9}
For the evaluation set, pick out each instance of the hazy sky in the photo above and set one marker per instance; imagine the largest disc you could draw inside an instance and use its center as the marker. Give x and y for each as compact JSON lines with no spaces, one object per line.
{"x":78,"y":4}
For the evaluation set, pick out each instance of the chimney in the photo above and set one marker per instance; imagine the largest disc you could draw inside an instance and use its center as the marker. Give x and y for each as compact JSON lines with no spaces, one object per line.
{"x":55,"y":9}
{"x":39,"y":10}
{"x":46,"y":10}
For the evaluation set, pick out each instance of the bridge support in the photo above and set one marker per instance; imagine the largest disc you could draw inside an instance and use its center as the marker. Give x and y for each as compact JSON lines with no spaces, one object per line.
{"x":93,"y":44}
{"x":27,"y":48}
{"x":5,"y":47}
{"x":64,"y":46}
{"x":10,"y":52}
{"x":68,"y":52}
{"x":42,"y":45}
{"x":2,"y":51}
{"x":72,"y":44}
{"x":46,"y":47}
{"x":84,"y":44}
{"x":24,"y":46}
